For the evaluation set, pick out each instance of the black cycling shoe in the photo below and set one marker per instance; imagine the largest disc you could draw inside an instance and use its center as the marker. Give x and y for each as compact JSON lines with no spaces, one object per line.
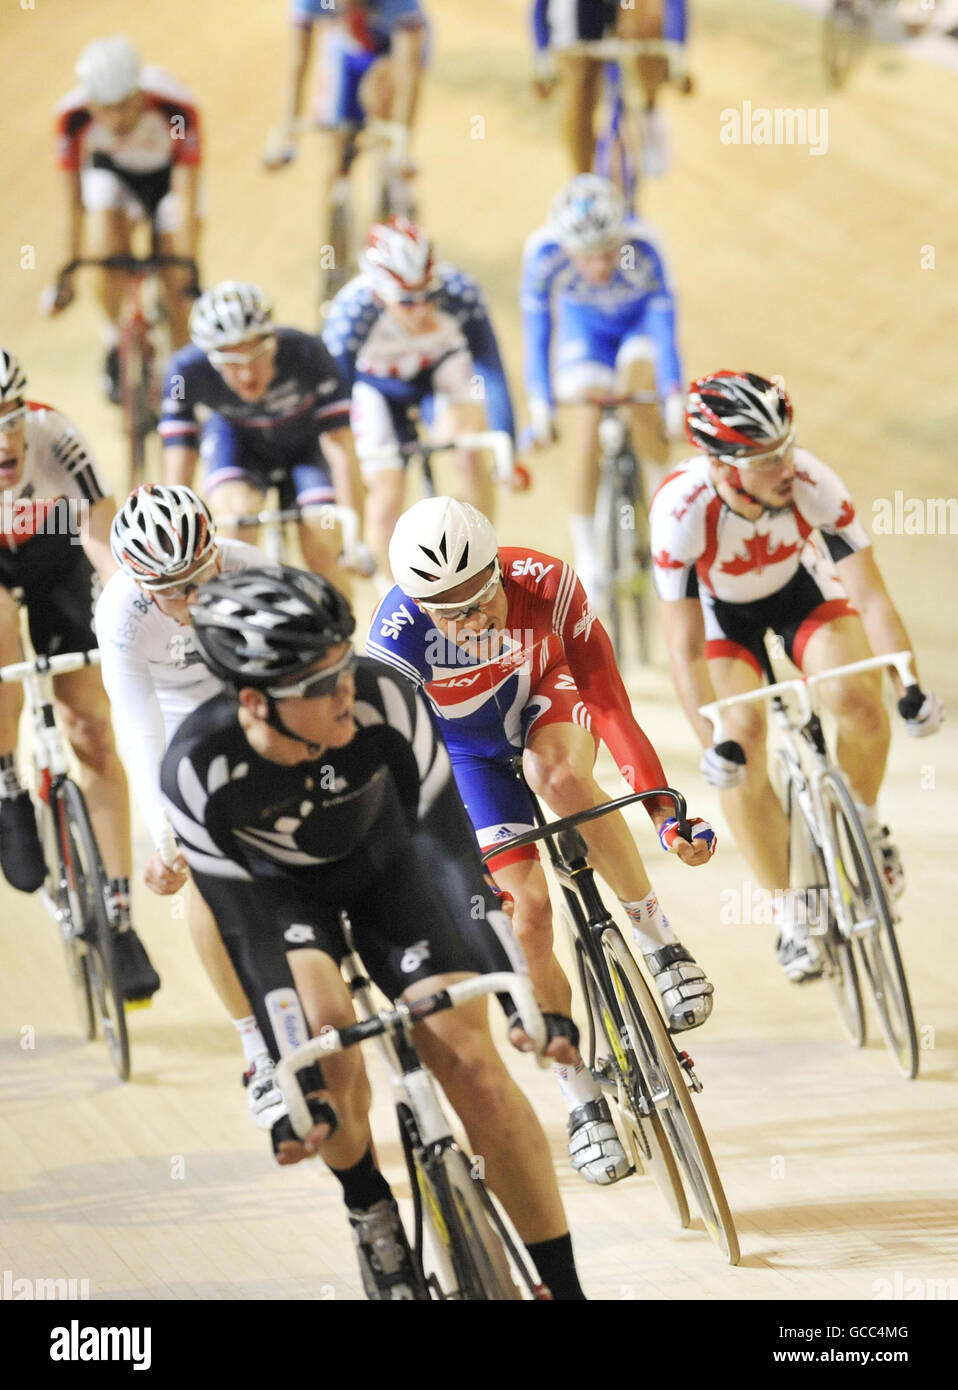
{"x":111,"y":376}
{"x":138,"y":980}
{"x":21,"y":854}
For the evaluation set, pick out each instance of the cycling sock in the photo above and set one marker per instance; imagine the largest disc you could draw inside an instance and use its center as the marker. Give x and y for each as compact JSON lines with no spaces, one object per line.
{"x":647,"y":913}
{"x":118,"y":903}
{"x":251,"y":1039}
{"x":9,"y":777}
{"x":363,"y":1185}
{"x":868,"y":816}
{"x":110,"y":334}
{"x":556,"y":1265}
{"x":577,"y":1084}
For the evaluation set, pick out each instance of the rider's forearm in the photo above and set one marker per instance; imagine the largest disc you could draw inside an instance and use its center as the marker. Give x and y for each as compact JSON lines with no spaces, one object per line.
{"x":690,"y":675}
{"x":73,"y":231}
{"x":340,"y":453}
{"x":186,"y":183}
{"x":885,"y":630}
{"x":179,"y":465}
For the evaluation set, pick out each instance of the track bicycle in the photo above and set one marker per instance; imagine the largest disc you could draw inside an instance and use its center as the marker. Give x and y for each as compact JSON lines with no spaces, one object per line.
{"x":631,"y":1053}
{"x":831,"y":861}
{"x":622,"y":540}
{"x":76,"y":889}
{"x":275,"y":519}
{"x":143,"y":347}
{"x":462,"y":1248}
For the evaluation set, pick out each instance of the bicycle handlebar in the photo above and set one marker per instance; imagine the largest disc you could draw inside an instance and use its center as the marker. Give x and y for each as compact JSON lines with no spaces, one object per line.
{"x":134,"y":265}
{"x":392,"y":1020}
{"x":347,"y":518}
{"x":497,"y":441}
{"x":613,"y":402}
{"x":48,"y":666}
{"x":543,"y":832}
{"x":800,"y":687}
{"x":613,"y":50}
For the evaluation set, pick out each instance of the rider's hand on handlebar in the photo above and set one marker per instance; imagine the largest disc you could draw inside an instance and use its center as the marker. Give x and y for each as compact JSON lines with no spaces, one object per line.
{"x":160,"y":878}
{"x":55,"y":298}
{"x":362,"y":562}
{"x":723,"y":766}
{"x":698,"y":850}
{"x":922,"y":712}
{"x":542,"y":430}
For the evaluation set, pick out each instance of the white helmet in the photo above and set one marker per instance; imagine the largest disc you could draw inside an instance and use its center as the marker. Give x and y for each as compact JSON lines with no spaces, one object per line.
{"x":13,"y":379}
{"x":229,"y":313}
{"x":438,"y":544}
{"x":588,"y":213}
{"x":109,"y":70}
{"x":398,"y":261}
{"x":161,"y":531}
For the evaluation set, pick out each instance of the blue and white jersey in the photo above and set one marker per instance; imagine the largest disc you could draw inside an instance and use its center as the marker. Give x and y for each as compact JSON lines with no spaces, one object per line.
{"x":304,"y":399}
{"x":356,"y":312}
{"x":638,"y":298}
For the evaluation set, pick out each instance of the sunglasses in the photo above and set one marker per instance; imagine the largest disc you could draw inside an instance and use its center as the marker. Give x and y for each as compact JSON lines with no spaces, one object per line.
{"x":12,"y":420}
{"x":183,"y":588}
{"x":316,"y":686}
{"x":457,"y":612}
{"x":219,"y":358}
{"x":773,"y":458}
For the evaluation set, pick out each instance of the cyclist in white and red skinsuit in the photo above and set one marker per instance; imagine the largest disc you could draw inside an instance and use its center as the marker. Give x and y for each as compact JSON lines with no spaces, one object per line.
{"x":756,"y":534}
{"x":509,"y":653}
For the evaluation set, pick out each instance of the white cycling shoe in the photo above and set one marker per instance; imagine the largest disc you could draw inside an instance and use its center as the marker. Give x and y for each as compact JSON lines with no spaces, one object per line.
{"x":264,"y":1100}
{"x":888,"y":859}
{"x":594,"y":1148}
{"x":686,"y":993}
{"x":385,"y":1260}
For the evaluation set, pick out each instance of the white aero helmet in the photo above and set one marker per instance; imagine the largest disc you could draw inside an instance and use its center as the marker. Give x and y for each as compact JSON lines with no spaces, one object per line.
{"x":13,"y":379}
{"x":438,"y":544}
{"x":161,"y":531}
{"x":588,"y":213}
{"x":229,"y":313}
{"x":398,"y":261}
{"x":109,"y":70}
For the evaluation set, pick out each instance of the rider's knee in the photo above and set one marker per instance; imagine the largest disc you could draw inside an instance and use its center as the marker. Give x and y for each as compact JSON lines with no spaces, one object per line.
{"x":748,"y":729}
{"x":856,"y":704}
{"x":91,"y":738}
{"x":562,"y":783}
{"x":9,"y":627}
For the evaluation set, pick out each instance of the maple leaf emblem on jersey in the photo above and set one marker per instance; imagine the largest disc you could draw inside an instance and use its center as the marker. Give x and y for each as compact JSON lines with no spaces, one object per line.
{"x":665,"y":562}
{"x":846,"y":515}
{"x":758,"y":556}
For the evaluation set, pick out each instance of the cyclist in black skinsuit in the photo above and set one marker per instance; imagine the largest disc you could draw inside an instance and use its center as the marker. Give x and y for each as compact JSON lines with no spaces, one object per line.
{"x":321,"y":786}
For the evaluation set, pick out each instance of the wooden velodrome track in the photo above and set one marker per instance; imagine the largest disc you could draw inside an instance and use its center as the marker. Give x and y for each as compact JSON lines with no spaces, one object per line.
{"x":839,"y":1173}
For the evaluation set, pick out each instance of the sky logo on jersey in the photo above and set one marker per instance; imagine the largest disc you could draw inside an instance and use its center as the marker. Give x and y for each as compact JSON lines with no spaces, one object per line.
{"x":585,"y":622}
{"x":535,"y":568}
{"x":393,"y":625}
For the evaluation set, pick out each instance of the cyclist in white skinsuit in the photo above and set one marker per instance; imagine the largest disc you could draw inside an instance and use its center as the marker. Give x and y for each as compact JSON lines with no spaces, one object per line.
{"x":164,"y":541}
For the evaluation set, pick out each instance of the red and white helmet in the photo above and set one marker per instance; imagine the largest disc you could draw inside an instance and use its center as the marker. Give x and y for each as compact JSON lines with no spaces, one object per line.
{"x":160,"y":532}
{"x":398,"y":261}
{"x":734,"y":414}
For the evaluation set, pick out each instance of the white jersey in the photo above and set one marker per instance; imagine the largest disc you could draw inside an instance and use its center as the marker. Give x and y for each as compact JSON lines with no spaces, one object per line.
{"x":154,"y":676}
{"x":700,"y":546}
{"x":58,"y":462}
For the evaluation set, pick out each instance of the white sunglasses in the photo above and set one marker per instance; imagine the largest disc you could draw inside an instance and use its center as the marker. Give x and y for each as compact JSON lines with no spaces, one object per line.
{"x":182,"y":588}
{"x":221,"y":358}
{"x":458,"y":612}
{"x":12,"y":420}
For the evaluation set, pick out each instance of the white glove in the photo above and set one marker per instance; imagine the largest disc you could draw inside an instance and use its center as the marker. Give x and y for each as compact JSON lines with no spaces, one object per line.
{"x":723,"y":766}
{"x":673,"y":415}
{"x":362,"y":561}
{"x":541,"y":421}
{"x":923,"y":713}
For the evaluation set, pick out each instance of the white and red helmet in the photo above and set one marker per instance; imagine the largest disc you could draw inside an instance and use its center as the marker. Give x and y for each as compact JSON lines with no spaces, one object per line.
{"x":398,"y":261}
{"x":161,"y":531}
{"x":733,"y":415}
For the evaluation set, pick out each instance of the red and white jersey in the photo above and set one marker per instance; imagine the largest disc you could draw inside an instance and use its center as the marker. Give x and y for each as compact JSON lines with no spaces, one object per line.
{"x":479,"y":701}
{"x":389,"y":351}
{"x":58,"y":463}
{"x":167,"y":132}
{"x":700,"y":545}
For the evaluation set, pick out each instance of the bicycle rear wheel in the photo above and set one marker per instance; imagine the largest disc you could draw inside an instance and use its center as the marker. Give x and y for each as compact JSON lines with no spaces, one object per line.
{"x":866,"y":903}
{"x":86,"y":884}
{"x":656,"y":1053}
{"x":471,"y":1258}
{"x":62,"y":908}
{"x":622,"y":1079}
{"x":806,"y":869}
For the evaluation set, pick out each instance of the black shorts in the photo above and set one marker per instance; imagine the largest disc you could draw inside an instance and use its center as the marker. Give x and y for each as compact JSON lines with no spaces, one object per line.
{"x":811,"y":597}
{"x":60,"y":588}
{"x":149,"y":189}
{"x":571,"y":21}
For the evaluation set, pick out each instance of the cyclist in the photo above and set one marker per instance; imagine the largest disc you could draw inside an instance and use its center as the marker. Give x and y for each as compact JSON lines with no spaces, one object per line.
{"x":756,"y":534}
{"x":317,"y":786}
{"x":274,"y":401}
{"x":129,"y":147}
{"x":371,"y":69}
{"x":599,"y":272}
{"x":408,"y":332}
{"x":164,"y":541}
{"x":509,"y":652}
{"x":54,"y":545}
{"x":558,"y":25}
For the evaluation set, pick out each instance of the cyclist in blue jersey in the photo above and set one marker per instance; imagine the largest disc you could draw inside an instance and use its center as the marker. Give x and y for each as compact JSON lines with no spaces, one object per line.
{"x":559,"y":25}
{"x":598,"y":319}
{"x":274,"y":400}
{"x":408,"y":333}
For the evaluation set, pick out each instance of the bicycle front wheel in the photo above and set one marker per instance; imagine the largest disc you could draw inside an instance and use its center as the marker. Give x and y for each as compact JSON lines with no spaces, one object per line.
{"x":653,"y":1047}
{"x":868,"y":911}
{"x":86,"y":884}
{"x":469,"y":1247}
{"x":64,"y":910}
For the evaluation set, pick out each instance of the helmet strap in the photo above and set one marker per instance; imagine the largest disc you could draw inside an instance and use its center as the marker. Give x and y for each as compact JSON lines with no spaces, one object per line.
{"x":275,"y":721}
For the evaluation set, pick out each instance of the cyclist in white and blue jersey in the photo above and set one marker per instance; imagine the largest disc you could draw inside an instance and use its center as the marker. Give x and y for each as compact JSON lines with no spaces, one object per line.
{"x":410,"y":334}
{"x":598,"y":314}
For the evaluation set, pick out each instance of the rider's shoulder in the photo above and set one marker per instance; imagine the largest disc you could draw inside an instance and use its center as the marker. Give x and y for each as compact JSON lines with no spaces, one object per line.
{"x":458,"y":285}
{"x":163,"y":87}
{"x":542,"y":251}
{"x":690,"y":479}
{"x":210,"y":732}
{"x":190,"y":360}
{"x":396,"y":616}
{"x":532,"y":569}
{"x":240,"y":555}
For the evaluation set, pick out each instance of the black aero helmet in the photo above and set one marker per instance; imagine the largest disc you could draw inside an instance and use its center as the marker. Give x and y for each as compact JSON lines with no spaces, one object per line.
{"x":255,"y":627}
